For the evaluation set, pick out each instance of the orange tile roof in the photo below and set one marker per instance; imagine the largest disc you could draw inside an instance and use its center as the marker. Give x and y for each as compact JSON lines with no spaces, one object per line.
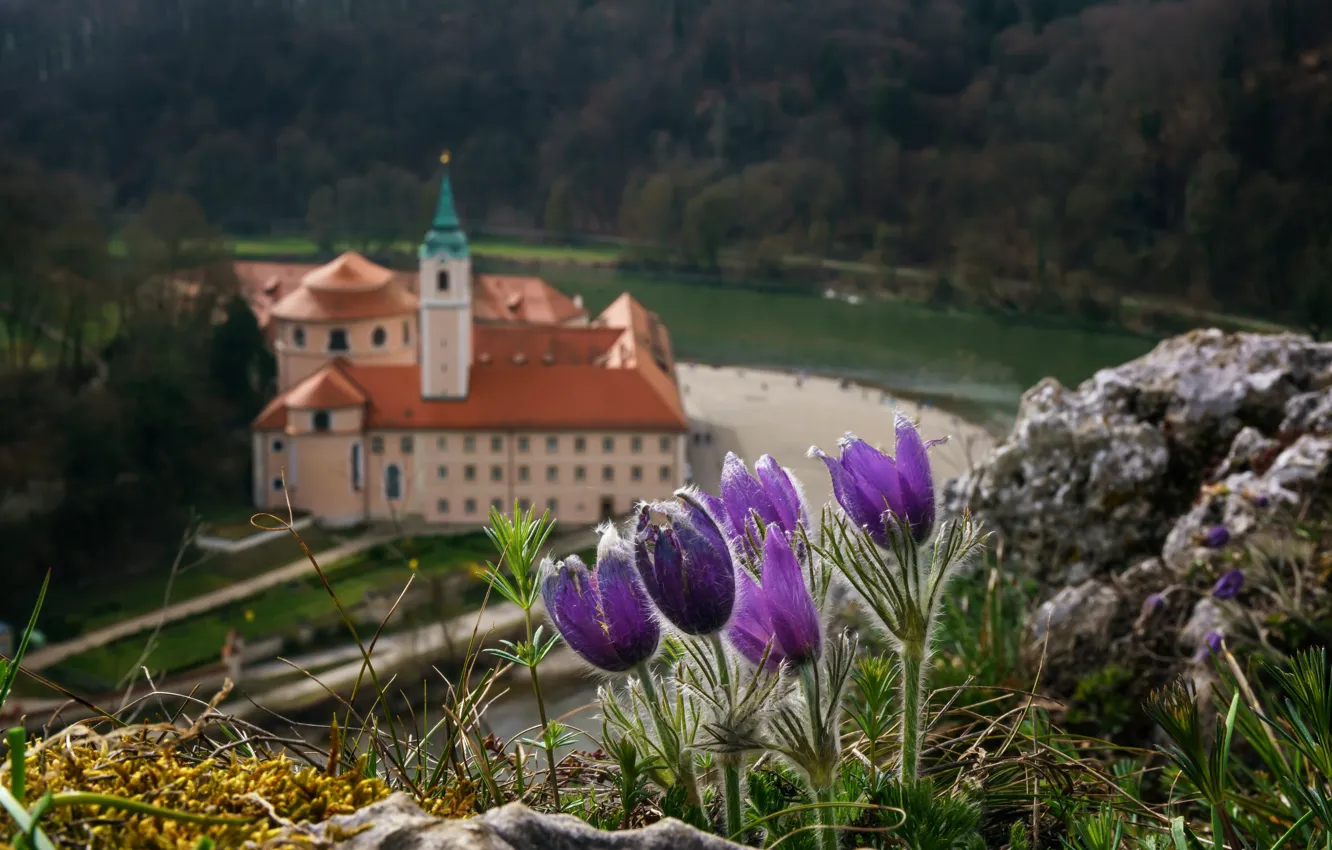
{"x":503,"y":396}
{"x":309,"y":304}
{"x":329,"y":388}
{"x":547,"y":344}
{"x":526,"y":300}
{"x":350,"y":271}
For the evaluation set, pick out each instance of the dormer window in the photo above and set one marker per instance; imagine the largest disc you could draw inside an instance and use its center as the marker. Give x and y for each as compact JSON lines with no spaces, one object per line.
{"x":442,"y":280}
{"x":321,"y":420}
{"x":298,"y":337}
{"x":337,"y":339}
{"x":379,"y":338}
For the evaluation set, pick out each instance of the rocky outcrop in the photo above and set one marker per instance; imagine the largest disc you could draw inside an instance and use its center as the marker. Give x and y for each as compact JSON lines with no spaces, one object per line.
{"x":398,"y":824}
{"x":1094,"y":477}
{"x":1132,"y":494}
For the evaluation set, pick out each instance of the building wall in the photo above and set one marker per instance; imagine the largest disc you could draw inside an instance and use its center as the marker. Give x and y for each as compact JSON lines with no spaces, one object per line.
{"x":296,"y":363}
{"x":506,"y":466}
{"x":446,"y":350}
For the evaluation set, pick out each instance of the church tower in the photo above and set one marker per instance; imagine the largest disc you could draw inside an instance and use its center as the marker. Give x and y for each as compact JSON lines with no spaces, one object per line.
{"x":446,"y":301}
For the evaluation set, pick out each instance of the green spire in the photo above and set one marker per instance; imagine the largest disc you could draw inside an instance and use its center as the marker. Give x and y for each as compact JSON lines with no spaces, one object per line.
{"x":445,"y":236}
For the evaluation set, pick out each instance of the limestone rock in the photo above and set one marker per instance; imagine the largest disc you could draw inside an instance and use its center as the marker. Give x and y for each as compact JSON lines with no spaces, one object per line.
{"x":398,"y":824}
{"x":1097,"y":475}
{"x":1075,"y":622}
{"x":1243,"y":501}
{"x":1248,"y":449}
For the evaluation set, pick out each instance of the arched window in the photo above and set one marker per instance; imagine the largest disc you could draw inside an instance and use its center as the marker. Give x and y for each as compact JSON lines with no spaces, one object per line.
{"x":337,"y":340}
{"x":356,"y":466}
{"x":379,"y":337}
{"x":298,"y":336}
{"x":321,"y":420}
{"x":392,"y":482}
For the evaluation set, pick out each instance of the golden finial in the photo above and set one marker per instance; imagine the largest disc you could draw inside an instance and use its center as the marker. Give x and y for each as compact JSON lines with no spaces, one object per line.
{"x":444,"y":158}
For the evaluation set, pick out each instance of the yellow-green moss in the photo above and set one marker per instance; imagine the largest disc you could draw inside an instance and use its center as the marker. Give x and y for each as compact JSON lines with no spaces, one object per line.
{"x":155,"y":773}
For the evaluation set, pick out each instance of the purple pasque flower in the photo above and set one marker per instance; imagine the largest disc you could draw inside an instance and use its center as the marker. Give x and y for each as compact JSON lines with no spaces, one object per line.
{"x":773,"y":496}
{"x":1151,"y":605}
{"x":868,"y":483}
{"x":1229,"y":585}
{"x":1211,"y":645}
{"x":1216,"y":537}
{"x":686,"y":565}
{"x":603,"y":613}
{"x":778,"y":615}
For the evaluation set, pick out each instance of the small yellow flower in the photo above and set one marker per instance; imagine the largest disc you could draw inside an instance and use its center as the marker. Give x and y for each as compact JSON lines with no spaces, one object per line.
{"x":249,"y":615}
{"x":413,"y":564}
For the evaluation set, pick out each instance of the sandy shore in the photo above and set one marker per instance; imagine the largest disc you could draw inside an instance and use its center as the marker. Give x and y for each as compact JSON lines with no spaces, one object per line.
{"x":753,"y":412}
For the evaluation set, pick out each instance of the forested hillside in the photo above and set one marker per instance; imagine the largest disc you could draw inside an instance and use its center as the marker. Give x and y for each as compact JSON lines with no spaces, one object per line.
{"x":1178,"y":147}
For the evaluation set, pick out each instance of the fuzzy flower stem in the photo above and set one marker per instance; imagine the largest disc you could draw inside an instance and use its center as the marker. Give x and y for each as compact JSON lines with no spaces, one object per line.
{"x":685,"y":775}
{"x":913,"y":711}
{"x":730,"y":767}
{"x":827,"y":819}
{"x":823,"y":792}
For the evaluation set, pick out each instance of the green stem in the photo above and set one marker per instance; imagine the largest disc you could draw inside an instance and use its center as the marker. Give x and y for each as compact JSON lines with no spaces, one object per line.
{"x":684,"y":773}
{"x":545,"y":724}
{"x":734,"y":801}
{"x":827,"y":819}
{"x":730,"y":768}
{"x":913,"y":709}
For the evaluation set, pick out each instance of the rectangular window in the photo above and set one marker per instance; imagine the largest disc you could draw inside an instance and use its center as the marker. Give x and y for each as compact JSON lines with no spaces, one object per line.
{"x":337,"y":340}
{"x":277,"y":483}
{"x":580,"y":444}
{"x":665,"y":473}
{"x":580,"y":473}
{"x":469,"y":472}
{"x":377,"y":445}
{"x":524,"y":505}
{"x":552,"y":473}
{"x":469,"y":444}
{"x":496,"y":504}
{"x":496,"y":444}
{"x":636,"y":473}
{"x":442,"y":280}
{"x":441,"y":472}
{"x":665,"y":445}
{"x":469,"y":506}
{"x":442,"y":444}
{"x":524,"y":474}
{"x":406,"y":445}
{"x":406,"y":332}
{"x":608,"y":473}
{"x":442,"y":506}
{"x":607,"y":445}
{"x":636,"y":445}
{"x":497,"y":473}
{"x":552,"y":445}
{"x":552,"y":505}
{"x":523,"y":444}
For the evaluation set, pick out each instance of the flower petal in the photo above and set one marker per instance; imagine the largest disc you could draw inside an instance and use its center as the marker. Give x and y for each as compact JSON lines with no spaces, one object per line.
{"x":571,"y":602}
{"x":750,"y":630}
{"x":914,"y":478}
{"x":780,"y":486}
{"x":624,"y":607}
{"x":790,"y":607}
{"x":858,"y":506}
{"x":742,"y":493}
{"x":876,"y":473}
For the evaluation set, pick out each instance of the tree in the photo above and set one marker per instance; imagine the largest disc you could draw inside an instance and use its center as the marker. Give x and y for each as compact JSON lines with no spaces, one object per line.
{"x":559,"y":217}
{"x":323,"y":219}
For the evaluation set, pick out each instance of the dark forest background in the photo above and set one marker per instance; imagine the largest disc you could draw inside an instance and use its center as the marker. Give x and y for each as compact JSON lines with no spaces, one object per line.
{"x":1179,"y":150}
